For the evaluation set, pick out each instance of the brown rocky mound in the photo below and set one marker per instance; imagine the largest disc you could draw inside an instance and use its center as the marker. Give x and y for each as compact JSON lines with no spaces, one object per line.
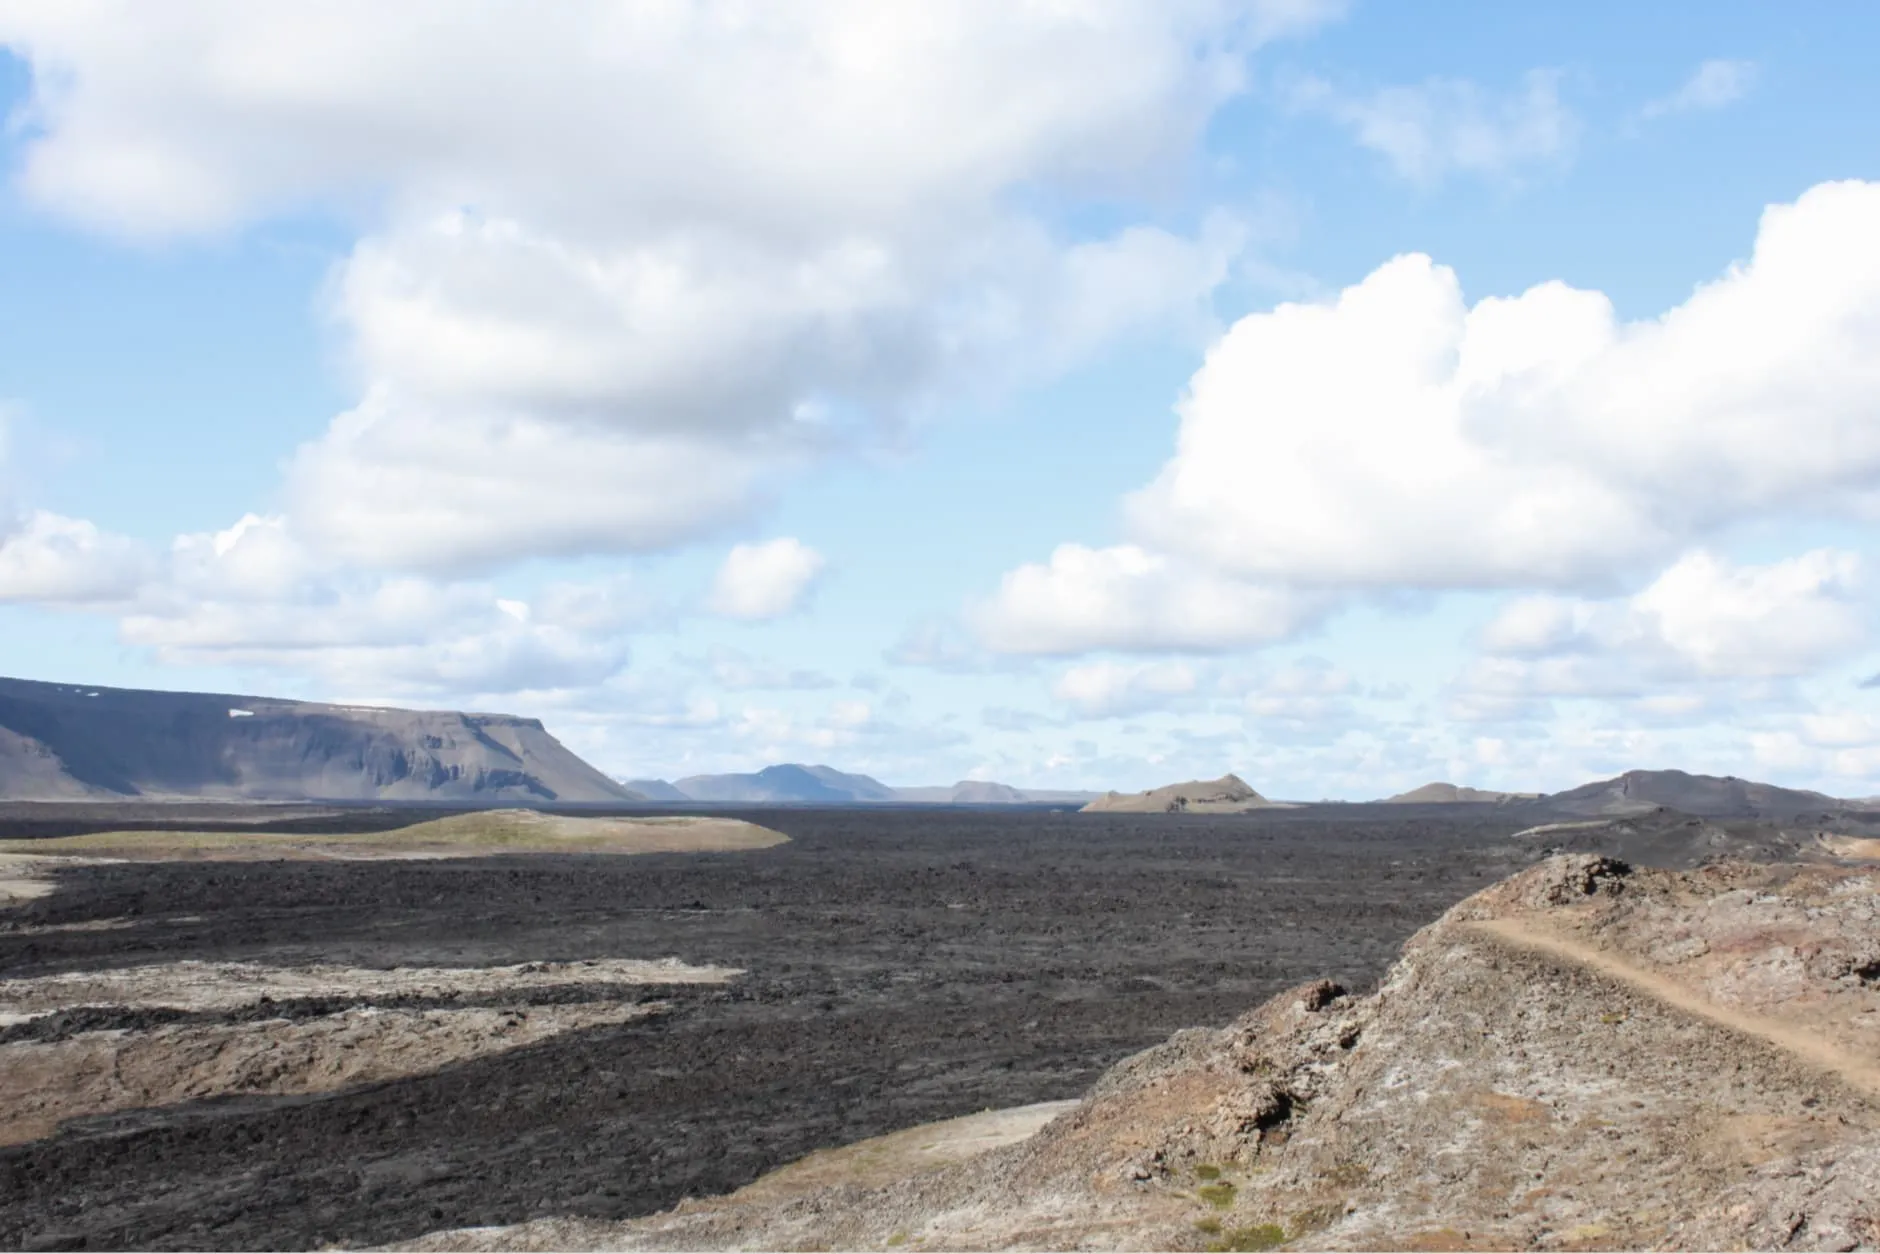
{"x":1227,"y":795}
{"x":1583,"y":1056}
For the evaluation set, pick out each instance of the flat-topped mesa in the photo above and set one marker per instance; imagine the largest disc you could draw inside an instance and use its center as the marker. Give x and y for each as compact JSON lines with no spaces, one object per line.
{"x":1229,"y":794}
{"x":1450,"y":794}
{"x":64,"y":742}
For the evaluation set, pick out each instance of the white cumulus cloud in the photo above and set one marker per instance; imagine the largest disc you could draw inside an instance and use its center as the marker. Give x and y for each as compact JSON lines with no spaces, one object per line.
{"x":1706,"y":616}
{"x":625,"y":266}
{"x":768,"y":580}
{"x":1107,"y":689}
{"x":50,"y":558}
{"x":1396,"y":436}
{"x":253,"y":597}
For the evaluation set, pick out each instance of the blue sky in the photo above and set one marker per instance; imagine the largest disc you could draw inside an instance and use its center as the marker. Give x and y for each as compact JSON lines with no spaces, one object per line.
{"x":1080,"y":396}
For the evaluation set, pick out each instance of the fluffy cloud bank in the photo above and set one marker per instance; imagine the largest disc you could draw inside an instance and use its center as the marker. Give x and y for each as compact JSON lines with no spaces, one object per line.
{"x":1104,"y":689}
{"x":1708,"y":617}
{"x":252,"y":597}
{"x":627,"y":263}
{"x":52,"y":559}
{"x":1395,"y":437}
{"x":1127,"y":598}
{"x":1704,"y":635}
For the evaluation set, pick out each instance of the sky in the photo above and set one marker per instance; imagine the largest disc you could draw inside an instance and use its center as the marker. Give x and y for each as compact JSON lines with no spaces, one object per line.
{"x":1071,"y":393}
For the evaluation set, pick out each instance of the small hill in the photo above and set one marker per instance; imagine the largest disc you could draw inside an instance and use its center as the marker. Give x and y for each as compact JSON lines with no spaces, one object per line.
{"x":63,"y":742}
{"x":1451,"y":794}
{"x":1706,"y":796}
{"x":1227,"y":795}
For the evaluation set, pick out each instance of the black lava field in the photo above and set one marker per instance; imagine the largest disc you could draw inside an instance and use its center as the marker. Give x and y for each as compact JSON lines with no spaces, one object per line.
{"x":902,"y":966}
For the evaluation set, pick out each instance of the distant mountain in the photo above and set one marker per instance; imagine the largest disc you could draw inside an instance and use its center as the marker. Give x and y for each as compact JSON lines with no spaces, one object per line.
{"x":824,"y":785}
{"x":1059,"y":796}
{"x":656,"y":790}
{"x":980,"y":792}
{"x":789,"y":782}
{"x":1227,"y":795}
{"x":62,"y":742}
{"x":1449,"y":794}
{"x":1706,"y":796}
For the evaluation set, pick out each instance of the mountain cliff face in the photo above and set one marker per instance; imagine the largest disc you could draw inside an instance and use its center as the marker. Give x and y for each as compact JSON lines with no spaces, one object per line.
{"x":64,"y":742}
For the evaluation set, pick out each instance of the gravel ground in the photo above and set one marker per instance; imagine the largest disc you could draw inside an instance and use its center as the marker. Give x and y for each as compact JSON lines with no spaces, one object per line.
{"x":902,"y":966}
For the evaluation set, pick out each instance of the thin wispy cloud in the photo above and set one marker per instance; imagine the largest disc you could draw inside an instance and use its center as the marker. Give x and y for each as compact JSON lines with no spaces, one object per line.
{"x":1441,"y":127}
{"x":1712,"y":85}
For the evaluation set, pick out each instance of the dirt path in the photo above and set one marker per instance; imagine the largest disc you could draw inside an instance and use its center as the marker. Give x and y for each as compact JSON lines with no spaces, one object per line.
{"x":1799,"y":1042}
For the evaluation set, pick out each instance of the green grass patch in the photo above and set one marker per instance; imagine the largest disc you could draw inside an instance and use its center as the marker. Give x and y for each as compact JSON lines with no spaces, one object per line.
{"x":1219,"y":1195}
{"x":1256,"y":1237}
{"x":1207,"y":1171}
{"x":488,"y":831}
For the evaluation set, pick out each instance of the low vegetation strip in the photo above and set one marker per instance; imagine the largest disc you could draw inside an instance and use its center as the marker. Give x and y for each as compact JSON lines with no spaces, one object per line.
{"x":455,"y":836}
